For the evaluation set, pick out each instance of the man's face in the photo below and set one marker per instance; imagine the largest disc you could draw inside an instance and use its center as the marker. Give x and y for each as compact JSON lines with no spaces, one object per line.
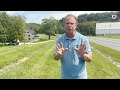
{"x":70,"y":24}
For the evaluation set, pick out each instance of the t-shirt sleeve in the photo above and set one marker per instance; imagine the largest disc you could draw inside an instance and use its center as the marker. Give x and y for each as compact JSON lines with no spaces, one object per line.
{"x":57,"y":42}
{"x":88,"y":47}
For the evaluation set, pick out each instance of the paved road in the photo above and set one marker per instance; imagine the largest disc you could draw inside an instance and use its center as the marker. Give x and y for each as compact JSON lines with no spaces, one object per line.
{"x":109,"y":42}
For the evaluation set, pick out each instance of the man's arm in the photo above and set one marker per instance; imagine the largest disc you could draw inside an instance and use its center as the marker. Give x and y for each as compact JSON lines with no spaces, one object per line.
{"x":87,"y":57}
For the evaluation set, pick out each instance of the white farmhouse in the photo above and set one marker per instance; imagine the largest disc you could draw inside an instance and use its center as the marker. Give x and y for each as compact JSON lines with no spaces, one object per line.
{"x":108,"y":28}
{"x":30,"y":35}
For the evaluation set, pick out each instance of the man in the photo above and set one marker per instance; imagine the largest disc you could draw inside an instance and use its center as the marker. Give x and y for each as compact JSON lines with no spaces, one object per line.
{"x":73,"y":49}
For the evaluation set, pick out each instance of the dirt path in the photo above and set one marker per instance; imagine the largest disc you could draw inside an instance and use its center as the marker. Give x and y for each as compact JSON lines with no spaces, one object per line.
{"x":13,"y":65}
{"x":35,"y":43}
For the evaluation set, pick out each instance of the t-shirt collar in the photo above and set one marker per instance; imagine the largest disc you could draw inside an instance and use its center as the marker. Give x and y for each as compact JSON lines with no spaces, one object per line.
{"x":75,"y":36}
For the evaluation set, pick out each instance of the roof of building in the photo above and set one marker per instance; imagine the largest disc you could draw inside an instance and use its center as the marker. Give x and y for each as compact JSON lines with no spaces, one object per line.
{"x":32,"y":31}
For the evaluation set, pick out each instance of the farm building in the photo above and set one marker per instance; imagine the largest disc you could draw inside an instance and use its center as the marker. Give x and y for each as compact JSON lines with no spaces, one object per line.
{"x":108,"y":28}
{"x":30,"y":35}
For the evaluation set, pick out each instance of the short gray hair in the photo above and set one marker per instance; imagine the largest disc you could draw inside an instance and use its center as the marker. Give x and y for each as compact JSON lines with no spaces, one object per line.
{"x":71,"y":16}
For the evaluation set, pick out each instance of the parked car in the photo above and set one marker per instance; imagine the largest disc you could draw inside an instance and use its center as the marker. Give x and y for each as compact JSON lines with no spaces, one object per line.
{"x":10,"y":43}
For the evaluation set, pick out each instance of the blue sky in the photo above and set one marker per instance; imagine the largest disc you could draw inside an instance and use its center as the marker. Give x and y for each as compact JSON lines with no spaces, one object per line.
{"x":37,"y":16}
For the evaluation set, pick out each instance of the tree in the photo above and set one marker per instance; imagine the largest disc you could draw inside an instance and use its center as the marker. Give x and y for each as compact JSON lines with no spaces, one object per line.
{"x":18,"y":26}
{"x":49,"y":26}
{"x":11,"y":27}
{"x":2,"y":33}
{"x":4,"y":26}
{"x":87,"y":28}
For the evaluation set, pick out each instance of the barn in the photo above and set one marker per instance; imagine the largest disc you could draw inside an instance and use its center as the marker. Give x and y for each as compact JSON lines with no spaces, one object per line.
{"x":108,"y":28}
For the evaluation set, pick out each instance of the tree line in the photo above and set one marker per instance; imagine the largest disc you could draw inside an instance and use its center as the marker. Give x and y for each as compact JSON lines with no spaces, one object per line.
{"x":13,"y":27}
{"x":86,"y":23}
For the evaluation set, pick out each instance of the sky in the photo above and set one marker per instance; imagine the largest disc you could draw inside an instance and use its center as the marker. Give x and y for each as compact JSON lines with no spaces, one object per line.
{"x":37,"y":16}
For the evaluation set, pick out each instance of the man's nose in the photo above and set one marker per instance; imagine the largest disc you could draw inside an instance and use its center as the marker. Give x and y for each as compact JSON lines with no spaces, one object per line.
{"x":69,"y":24}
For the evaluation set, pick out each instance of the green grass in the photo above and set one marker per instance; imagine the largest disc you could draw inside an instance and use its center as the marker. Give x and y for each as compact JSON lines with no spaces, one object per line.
{"x":41,"y":64}
{"x":116,"y":36}
{"x":1,"y":44}
{"x":108,"y":51}
{"x":43,"y":37}
{"x":13,"y":54}
{"x":102,"y":68}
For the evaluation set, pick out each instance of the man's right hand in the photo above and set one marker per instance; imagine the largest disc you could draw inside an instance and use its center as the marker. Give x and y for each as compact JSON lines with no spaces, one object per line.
{"x":60,"y":51}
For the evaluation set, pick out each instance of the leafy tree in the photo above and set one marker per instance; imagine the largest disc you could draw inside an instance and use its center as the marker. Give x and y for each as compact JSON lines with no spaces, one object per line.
{"x":87,"y":28}
{"x":11,"y":27}
{"x":4,"y":26}
{"x":18,"y":26}
{"x":49,"y":26}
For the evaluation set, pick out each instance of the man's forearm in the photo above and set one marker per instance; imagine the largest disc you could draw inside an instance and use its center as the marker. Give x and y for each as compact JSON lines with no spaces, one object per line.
{"x":87,"y":57}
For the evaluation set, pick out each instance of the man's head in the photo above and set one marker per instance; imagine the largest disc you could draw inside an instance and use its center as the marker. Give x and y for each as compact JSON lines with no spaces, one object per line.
{"x":70,"y":23}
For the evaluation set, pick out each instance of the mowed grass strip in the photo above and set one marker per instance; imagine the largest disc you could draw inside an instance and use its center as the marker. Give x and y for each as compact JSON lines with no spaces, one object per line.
{"x":41,"y":65}
{"x":116,"y":36}
{"x":100,"y":67}
{"x":114,"y":54}
{"x":16,"y":53}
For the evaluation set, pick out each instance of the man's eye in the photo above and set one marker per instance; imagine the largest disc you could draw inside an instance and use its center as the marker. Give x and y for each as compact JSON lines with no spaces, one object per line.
{"x":70,"y":23}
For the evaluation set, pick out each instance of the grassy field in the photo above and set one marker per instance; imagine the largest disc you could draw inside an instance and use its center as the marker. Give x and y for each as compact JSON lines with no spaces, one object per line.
{"x":39,"y":62}
{"x":35,"y":61}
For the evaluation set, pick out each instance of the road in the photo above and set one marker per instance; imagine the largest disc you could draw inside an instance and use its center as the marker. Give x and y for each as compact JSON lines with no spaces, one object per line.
{"x":108,"y":42}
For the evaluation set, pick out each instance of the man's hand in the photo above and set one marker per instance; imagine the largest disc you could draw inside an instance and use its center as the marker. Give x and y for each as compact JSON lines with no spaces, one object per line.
{"x":83,"y":54}
{"x":81,"y":49}
{"x":60,"y":51}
